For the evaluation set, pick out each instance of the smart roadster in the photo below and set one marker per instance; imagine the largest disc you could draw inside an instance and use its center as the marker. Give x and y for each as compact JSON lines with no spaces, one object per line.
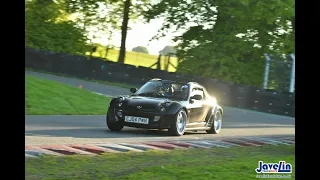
{"x":165,"y":104}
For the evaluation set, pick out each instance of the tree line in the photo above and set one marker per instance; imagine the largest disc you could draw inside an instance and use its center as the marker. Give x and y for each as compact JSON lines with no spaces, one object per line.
{"x":225,"y":39}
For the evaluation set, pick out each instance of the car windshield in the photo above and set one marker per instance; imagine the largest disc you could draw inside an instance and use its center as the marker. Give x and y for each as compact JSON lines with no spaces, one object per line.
{"x":161,"y":89}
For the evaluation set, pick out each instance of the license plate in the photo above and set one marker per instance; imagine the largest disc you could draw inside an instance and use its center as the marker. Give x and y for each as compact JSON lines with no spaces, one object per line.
{"x":139,"y":120}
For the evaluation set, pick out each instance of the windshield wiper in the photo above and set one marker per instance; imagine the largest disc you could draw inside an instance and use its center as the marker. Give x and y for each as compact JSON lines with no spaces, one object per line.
{"x":142,"y":94}
{"x":147,"y":94}
{"x":156,"y":95}
{"x":177,"y":98}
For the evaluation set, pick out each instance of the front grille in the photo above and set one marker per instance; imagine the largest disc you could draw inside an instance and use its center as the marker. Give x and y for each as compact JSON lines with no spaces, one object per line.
{"x":147,"y":110}
{"x":140,"y":110}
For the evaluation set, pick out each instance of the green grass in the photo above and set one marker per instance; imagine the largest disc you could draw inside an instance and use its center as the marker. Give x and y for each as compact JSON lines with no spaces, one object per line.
{"x":135,"y":58}
{"x":122,"y":85}
{"x":237,"y":163}
{"x":49,"y":97}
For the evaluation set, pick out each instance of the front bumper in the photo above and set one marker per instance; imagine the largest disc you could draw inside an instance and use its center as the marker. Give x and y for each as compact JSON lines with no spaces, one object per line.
{"x":163,"y":123}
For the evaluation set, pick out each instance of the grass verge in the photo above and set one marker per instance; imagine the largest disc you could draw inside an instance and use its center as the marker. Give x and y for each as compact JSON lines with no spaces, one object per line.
{"x":45,"y":97}
{"x":122,"y":85}
{"x":192,"y":164}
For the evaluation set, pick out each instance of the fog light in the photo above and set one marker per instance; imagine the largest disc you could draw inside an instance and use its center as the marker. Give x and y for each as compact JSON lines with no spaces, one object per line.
{"x":119,"y":113}
{"x":156,"y":118}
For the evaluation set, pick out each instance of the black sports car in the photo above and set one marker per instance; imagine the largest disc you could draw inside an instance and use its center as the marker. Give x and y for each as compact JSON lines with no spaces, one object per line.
{"x":164,"y":104}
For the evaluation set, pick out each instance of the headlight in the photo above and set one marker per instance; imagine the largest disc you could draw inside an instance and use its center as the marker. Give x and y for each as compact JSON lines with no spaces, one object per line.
{"x":166,"y":104}
{"x":121,"y":99}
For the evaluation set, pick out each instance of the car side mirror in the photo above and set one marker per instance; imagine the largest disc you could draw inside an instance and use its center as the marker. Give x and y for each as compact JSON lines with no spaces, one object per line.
{"x":196,"y":97}
{"x":133,"y":90}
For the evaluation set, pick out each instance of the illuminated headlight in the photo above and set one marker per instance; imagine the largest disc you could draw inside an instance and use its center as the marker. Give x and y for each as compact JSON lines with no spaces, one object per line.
{"x":119,"y":113}
{"x":156,"y":118}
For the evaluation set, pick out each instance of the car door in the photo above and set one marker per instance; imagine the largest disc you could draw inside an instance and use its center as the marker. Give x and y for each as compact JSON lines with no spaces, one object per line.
{"x":205,"y":106}
{"x":195,"y":107}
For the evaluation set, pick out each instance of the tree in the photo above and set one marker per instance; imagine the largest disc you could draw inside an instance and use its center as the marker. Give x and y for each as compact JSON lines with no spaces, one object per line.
{"x":96,"y":17}
{"x":168,"y":50}
{"x":124,"y":29}
{"x":135,"y":10}
{"x":141,"y":49}
{"x":227,"y":39}
{"x":124,"y":10}
{"x":104,"y":16}
{"x":47,"y":27}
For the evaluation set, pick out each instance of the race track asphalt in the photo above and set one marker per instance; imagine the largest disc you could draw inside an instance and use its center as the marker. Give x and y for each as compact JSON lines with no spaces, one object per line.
{"x":66,"y":129}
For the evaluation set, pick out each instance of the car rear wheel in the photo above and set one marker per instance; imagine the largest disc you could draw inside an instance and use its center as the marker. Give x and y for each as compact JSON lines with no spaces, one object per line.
{"x":216,"y":123}
{"x":112,"y":122}
{"x":179,"y":125}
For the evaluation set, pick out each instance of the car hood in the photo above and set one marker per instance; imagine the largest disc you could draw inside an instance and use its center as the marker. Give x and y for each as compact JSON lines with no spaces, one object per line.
{"x":143,"y":103}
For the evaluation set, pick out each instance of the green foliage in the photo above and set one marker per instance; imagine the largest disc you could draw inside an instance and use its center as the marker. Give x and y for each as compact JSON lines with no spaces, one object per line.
{"x":96,"y":17}
{"x":140,"y":49}
{"x":47,"y":28}
{"x":211,"y":40}
{"x":69,"y":25}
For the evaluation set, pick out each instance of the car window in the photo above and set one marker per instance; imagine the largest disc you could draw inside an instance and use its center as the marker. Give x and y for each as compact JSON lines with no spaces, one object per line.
{"x":204,"y":93}
{"x":161,"y":89}
{"x":198,"y":91}
{"x":180,"y":91}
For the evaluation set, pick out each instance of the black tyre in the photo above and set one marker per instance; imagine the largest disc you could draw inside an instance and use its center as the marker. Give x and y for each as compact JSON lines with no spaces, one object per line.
{"x":216,"y":123}
{"x":112,"y":124}
{"x":178,"y":127}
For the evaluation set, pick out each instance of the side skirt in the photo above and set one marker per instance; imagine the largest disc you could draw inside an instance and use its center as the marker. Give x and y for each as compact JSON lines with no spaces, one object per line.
{"x":198,"y":126}
{"x":198,"y":129}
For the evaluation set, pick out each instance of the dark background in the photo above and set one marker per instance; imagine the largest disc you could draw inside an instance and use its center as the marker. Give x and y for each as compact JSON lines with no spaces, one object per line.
{"x":227,"y":93}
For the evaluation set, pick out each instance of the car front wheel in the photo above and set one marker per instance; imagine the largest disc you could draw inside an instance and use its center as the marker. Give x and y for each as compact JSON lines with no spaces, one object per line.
{"x":179,"y":125}
{"x":112,"y":122}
